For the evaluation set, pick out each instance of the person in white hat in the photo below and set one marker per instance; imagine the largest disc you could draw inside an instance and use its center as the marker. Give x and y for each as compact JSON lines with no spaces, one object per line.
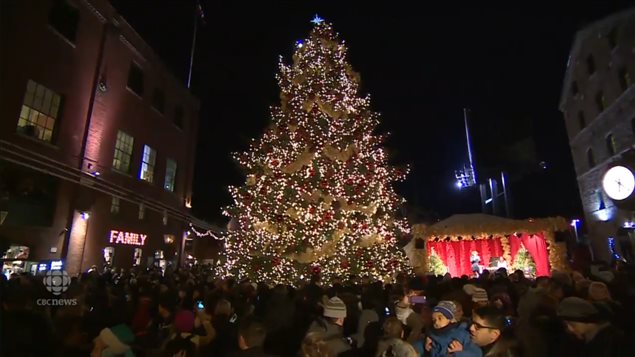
{"x":330,"y":324}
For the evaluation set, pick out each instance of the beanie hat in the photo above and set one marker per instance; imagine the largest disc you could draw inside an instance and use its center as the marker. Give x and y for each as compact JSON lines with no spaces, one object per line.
{"x":469,"y":289}
{"x":480,"y":295}
{"x":334,"y":307}
{"x":117,"y":338}
{"x":578,"y":309}
{"x":598,"y":291}
{"x":184,"y":321}
{"x":447,"y":308}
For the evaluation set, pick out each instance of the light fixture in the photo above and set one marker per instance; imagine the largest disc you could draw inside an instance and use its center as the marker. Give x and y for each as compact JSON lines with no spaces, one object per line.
{"x":85,"y":215}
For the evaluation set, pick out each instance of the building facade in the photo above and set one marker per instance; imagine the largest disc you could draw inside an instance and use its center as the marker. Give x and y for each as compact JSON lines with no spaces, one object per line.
{"x":97,"y":142}
{"x":598,"y":104}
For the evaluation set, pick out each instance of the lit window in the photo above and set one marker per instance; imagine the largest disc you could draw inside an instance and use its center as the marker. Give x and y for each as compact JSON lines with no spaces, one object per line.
{"x":158,"y":100}
{"x":114,"y":205}
{"x":64,"y":18}
{"x":135,"y":79}
{"x":170,"y":174}
{"x":590,"y":158}
{"x":136,"y":261}
{"x":625,"y":78}
{"x":142,"y":211}
{"x":168,"y":238}
{"x":40,"y":110}
{"x":147,"y":164}
{"x":611,"y":145}
{"x":123,"y":152}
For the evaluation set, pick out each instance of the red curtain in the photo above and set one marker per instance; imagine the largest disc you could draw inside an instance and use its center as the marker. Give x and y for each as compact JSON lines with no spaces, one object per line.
{"x":537,"y":248}
{"x":456,"y":254}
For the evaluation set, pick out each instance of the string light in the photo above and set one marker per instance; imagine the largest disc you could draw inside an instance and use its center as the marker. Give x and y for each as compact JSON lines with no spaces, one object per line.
{"x":208,"y":233}
{"x":318,"y":194}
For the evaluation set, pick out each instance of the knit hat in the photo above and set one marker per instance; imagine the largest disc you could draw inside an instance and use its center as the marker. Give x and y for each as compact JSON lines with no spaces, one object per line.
{"x":598,"y":291}
{"x":578,"y":309}
{"x":447,"y":308}
{"x":478,"y":294}
{"x":334,"y":307}
{"x":184,"y":321}
{"x":117,"y":338}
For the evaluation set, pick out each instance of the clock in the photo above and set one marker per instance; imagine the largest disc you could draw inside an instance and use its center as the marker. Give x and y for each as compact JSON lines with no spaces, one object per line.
{"x":619,"y":183}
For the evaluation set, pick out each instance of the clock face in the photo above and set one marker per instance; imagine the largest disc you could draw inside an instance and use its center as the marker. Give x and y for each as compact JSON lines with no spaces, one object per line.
{"x":618,"y":182}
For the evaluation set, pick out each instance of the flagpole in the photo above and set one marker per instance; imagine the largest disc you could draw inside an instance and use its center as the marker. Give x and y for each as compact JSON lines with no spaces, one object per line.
{"x":189,"y":75}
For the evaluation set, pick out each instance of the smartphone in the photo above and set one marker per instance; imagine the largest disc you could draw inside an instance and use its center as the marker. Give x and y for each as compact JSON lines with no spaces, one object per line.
{"x":233,"y":318}
{"x":417,"y":299}
{"x":387,"y":311}
{"x":200,"y":305}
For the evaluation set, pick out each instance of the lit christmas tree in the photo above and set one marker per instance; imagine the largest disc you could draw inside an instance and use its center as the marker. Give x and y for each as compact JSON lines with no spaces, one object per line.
{"x":436,"y":265}
{"x":524,"y":261}
{"x":318,"y":195}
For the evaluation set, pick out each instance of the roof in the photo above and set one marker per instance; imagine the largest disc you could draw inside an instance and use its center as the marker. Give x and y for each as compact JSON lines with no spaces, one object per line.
{"x":479,"y":224}
{"x":581,"y":36}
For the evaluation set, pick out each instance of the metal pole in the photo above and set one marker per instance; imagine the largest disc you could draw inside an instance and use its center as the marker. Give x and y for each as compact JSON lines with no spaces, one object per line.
{"x":469,"y":146}
{"x":189,"y":74}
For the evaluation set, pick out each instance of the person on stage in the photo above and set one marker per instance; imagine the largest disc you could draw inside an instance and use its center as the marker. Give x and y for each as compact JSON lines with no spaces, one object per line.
{"x":475,"y":259}
{"x":501,"y":263}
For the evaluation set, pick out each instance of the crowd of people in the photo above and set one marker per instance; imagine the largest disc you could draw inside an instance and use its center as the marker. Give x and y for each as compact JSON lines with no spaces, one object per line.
{"x":190,"y":312}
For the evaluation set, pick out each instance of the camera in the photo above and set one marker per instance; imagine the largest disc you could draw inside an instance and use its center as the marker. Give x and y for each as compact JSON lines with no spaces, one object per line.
{"x":200,"y":305}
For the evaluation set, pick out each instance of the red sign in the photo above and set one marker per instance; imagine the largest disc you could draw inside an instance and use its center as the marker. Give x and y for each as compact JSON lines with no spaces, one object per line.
{"x":119,"y":237}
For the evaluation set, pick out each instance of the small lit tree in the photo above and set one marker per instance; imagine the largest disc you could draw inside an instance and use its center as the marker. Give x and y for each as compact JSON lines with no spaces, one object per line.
{"x":436,"y":264}
{"x":524,"y":261}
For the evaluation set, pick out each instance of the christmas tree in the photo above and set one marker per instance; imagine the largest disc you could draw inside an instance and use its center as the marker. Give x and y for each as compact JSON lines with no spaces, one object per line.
{"x":524,"y":261}
{"x":318,"y":195}
{"x":436,"y":265}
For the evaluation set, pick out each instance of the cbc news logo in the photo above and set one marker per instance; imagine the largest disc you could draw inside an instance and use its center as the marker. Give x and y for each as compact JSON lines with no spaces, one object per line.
{"x":57,"y":281}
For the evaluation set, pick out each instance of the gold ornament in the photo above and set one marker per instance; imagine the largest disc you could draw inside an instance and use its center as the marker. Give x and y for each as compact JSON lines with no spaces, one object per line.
{"x":251,"y":180}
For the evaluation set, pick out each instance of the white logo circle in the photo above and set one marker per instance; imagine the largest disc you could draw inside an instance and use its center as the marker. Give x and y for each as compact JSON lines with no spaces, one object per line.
{"x":57,"y":281}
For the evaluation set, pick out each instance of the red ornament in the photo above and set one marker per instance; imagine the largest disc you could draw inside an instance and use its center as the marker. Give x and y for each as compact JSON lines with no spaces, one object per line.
{"x":364,"y":226}
{"x":275,"y":261}
{"x":344,"y":264}
{"x":349,"y":182}
{"x":341,"y":225}
{"x":388,"y":237}
{"x":369,"y":264}
{"x":275,"y":162}
{"x":311,"y":172}
{"x":312,"y":210}
{"x":359,"y":253}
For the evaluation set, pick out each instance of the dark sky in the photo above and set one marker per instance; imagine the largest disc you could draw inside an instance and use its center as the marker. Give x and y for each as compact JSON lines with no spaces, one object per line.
{"x":421,"y":64}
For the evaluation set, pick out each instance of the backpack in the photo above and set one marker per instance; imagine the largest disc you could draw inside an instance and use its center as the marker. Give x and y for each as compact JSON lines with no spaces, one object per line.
{"x":180,"y":346}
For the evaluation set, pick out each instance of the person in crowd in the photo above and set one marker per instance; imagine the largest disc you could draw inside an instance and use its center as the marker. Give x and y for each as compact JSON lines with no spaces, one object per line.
{"x":331,"y":325}
{"x":392,"y":329}
{"x":314,"y":345}
{"x":114,"y":341}
{"x":397,"y":348}
{"x":251,"y":339}
{"x":447,"y":330}
{"x":224,"y":324}
{"x":587,"y":323}
{"x":475,"y":260}
{"x":490,"y":330}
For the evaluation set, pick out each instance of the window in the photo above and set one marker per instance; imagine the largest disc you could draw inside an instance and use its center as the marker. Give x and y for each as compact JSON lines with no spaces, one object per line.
{"x":123,"y":152}
{"x":581,"y":120}
{"x":114,"y":205}
{"x":170,"y":174}
{"x":600,"y":101}
{"x":625,"y":78}
{"x":158,"y":100}
{"x":590,"y":64}
{"x":574,"y":88}
{"x":109,"y":254}
{"x":40,"y":110}
{"x":612,"y":37}
{"x":136,"y":261}
{"x":142,"y":211}
{"x":64,"y":18}
{"x":590,"y":158}
{"x":147,"y":164}
{"x":135,"y":79}
{"x":611,"y":145}
{"x":178,"y":116}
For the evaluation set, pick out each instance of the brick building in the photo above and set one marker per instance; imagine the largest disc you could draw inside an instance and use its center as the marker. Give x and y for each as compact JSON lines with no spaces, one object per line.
{"x":97,"y":141}
{"x":598,"y":103}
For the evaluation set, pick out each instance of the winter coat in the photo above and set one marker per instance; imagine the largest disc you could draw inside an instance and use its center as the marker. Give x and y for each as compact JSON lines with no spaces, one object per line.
{"x":441,"y":339}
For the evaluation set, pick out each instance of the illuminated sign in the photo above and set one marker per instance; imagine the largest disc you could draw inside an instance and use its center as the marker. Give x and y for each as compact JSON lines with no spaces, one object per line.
{"x":120,"y":237}
{"x":56,"y":265}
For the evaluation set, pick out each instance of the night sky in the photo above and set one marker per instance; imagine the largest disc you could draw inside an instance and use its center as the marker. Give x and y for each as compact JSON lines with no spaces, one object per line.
{"x":421,"y":65}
